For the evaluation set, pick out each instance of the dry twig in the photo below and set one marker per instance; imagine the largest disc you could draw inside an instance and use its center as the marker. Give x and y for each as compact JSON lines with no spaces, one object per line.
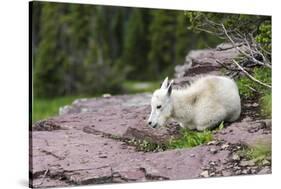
{"x":250,"y":76}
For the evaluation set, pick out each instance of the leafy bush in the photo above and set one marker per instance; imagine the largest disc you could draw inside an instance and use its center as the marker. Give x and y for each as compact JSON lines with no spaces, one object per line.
{"x":264,"y":35}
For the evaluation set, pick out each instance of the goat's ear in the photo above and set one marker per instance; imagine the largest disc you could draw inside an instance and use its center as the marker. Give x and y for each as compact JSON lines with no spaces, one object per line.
{"x":170,"y":87}
{"x":165,"y":83}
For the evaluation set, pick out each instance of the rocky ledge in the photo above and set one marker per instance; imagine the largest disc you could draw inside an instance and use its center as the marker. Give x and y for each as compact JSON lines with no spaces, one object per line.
{"x":88,"y":144}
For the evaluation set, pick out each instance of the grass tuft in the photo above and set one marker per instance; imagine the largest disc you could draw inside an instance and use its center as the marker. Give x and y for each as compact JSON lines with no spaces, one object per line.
{"x":190,"y":138}
{"x":266,"y":105}
{"x":258,"y":153}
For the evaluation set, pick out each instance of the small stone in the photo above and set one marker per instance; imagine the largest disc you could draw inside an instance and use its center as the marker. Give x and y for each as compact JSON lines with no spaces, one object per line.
{"x":213,"y":142}
{"x":213,"y":150}
{"x":247,"y":119}
{"x":244,"y":171}
{"x":265,"y":170}
{"x":253,"y":171}
{"x":83,"y":110}
{"x":204,"y":174}
{"x":247,"y":163}
{"x":236,"y":157}
{"x":212,"y":174}
{"x":229,"y":166}
{"x":106,"y":95}
{"x":224,"y":146}
{"x":265,"y":162}
{"x":238,"y":172}
{"x":236,"y":168}
{"x":226,"y":173}
{"x":192,"y":155}
{"x":255,"y":105}
{"x":103,"y":156}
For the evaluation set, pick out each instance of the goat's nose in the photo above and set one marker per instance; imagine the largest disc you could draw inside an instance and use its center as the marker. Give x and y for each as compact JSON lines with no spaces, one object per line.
{"x":149,"y":123}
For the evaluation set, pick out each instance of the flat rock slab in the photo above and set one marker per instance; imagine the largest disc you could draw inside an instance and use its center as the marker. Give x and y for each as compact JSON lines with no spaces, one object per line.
{"x":73,"y":157}
{"x":251,"y":134}
{"x":122,"y":116}
{"x":86,"y":146}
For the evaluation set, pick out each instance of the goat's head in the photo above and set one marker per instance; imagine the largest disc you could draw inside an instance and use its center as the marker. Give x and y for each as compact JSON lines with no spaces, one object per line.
{"x":161,"y":105}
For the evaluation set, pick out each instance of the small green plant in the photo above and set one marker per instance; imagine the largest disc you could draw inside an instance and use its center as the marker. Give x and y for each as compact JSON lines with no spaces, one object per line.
{"x":221,"y":126}
{"x":190,"y":138}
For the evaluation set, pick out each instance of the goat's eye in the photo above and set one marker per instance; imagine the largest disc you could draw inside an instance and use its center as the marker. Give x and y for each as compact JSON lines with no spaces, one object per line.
{"x":158,"y":107}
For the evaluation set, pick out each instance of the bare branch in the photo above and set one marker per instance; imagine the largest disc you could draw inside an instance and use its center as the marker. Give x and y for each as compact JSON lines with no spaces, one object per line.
{"x":226,"y":67}
{"x":243,"y":52}
{"x":250,"y":76}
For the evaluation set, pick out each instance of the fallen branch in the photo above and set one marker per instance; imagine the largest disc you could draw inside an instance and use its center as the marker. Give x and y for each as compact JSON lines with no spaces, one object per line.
{"x":250,"y":76}
{"x":44,"y":176}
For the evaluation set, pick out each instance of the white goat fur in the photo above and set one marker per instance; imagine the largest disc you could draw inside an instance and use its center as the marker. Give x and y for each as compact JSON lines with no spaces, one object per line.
{"x":203,"y":105}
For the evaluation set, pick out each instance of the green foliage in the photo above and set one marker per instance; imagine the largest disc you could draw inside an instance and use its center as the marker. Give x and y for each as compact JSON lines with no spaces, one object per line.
{"x":44,"y":108}
{"x":211,"y":22}
{"x":136,"y":44}
{"x":266,"y":105}
{"x":257,"y":153}
{"x":264,"y":35}
{"x":245,"y":84}
{"x":85,"y":49}
{"x":190,"y":138}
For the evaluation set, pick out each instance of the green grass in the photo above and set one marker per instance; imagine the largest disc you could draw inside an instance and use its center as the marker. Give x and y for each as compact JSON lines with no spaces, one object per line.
{"x":190,"y":138}
{"x":245,"y":84}
{"x":45,"y":108}
{"x":258,"y":153}
{"x":266,"y":105}
{"x":140,"y":86}
{"x":263,"y":93}
{"x":187,"y":139}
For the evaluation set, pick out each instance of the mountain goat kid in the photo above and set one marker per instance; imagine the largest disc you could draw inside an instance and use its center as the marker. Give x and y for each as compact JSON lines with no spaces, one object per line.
{"x":203,"y":105}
